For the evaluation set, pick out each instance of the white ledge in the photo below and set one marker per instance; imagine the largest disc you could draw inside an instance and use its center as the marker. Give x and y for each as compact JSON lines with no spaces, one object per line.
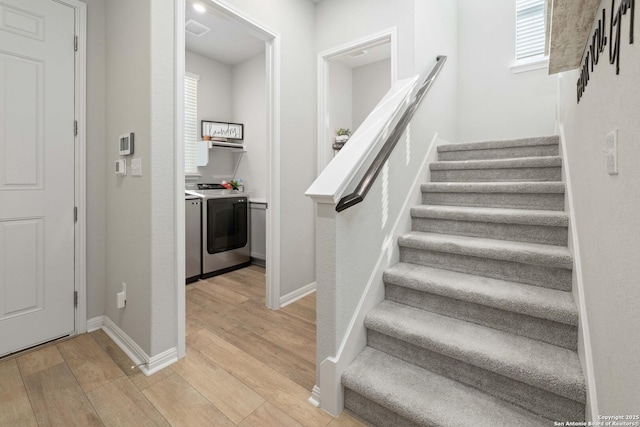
{"x":524,"y":65}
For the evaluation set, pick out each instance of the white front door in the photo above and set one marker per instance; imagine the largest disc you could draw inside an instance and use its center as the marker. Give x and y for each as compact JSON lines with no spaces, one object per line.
{"x":37,"y":67}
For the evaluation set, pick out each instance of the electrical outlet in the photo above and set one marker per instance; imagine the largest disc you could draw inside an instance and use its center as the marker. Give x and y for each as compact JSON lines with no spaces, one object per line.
{"x":120,"y":300}
{"x":121,"y":297}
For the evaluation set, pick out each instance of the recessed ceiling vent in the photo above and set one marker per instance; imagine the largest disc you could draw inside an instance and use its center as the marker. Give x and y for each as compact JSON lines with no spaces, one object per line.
{"x":195,"y":28}
{"x":357,"y":54}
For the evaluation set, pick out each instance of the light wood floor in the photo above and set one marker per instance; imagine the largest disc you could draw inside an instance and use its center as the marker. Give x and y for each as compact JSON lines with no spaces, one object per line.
{"x":245,"y":365}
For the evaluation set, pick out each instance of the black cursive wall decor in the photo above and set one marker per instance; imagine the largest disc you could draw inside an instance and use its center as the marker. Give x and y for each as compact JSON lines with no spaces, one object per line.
{"x":599,"y":40}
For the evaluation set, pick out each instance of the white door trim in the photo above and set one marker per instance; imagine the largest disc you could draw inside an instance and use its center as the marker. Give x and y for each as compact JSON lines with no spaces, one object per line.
{"x":272,"y":67}
{"x":324,"y":58}
{"x":80,"y":237}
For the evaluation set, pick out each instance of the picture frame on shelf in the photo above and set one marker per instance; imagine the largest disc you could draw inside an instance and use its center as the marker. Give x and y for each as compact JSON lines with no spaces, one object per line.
{"x":222,"y":130}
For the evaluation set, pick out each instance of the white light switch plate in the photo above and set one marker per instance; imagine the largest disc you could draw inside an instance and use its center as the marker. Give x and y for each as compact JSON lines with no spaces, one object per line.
{"x":611,"y":152}
{"x":136,"y":167}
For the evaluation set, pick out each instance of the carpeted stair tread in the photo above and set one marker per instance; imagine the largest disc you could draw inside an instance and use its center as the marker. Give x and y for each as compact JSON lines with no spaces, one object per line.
{"x":549,"y":304}
{"x":522,"y":162}
{"x":527,"y":253}
{"x":501,"y":144}
{"x":541,"y":365}
{"x":494,"y":187}
{"x":494,"y":215}
{"x":428,"y":399}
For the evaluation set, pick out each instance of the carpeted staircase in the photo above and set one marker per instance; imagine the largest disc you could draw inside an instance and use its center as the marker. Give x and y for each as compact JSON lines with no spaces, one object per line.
{"x":479,"y":326}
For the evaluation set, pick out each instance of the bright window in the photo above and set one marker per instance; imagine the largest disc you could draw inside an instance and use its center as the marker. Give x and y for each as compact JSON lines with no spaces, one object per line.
{"x":530,"y":29}
{"x":190,"y":123}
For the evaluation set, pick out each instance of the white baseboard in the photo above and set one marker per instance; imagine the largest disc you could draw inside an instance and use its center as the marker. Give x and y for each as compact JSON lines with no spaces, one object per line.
{"x":587,"y":357}
{"x":95,"y":323}
{"x":294,"y":296}
{"x":162,"y":360}
{"x":148,"y":365}
{"x":315,"y":396}
{"x":355,"y":339}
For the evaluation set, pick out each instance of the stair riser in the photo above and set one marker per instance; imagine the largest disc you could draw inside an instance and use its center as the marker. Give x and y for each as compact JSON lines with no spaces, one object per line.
{"x":536,"y":400}
{"x":547,"y":277}
{"x":372,"y":412}
{"x":500,"y":153}
{"x":535,"y":201}
{"x":554,"y":333}
{"x":497,"y":175}
{"x":514,"y":232}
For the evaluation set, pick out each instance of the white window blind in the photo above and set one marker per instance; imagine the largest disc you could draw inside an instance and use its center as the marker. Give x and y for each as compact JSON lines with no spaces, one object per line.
{"x":530,"y":28}
{"x":190,"y":123}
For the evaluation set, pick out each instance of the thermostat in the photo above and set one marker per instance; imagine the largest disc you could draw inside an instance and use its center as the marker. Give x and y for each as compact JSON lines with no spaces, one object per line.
{"x":121,"y":167}
{"x":126,"y":144}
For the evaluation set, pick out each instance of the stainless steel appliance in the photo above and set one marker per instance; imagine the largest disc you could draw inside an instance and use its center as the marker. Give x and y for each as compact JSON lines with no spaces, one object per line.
{"x":193,"y":237}
{"x":226,"y":244}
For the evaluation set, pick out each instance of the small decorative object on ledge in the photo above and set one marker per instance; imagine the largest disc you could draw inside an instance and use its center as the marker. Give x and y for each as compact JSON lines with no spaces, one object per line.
{"x":231,"y":185}
{"x":342,"y":138}
{"x":222,"y":131}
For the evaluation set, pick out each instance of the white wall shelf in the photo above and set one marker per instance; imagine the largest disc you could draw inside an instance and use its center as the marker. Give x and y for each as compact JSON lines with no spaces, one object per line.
{"x":229,"y":145}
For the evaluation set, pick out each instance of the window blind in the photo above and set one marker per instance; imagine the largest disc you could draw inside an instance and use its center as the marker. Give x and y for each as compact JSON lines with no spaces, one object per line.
{"x":190,"y":123}
{"x":530,"y":28}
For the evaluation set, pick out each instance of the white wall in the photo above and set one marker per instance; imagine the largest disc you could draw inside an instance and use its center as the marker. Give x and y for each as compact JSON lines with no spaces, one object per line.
{"x":96,"y":162}
{"x":437,"y":30}
{"x":493,"y":102}
{"x":293,"y":20}
{"x":370,"y":83}
{"x":606,"y":209}
{"x":340,"y":101}
{"x":339,"y":22}
{"x":249,"y":108}
{"x":215,"y":102}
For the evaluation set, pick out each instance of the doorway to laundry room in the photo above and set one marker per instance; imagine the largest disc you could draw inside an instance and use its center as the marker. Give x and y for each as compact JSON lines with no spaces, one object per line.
{"x":229,"y":126}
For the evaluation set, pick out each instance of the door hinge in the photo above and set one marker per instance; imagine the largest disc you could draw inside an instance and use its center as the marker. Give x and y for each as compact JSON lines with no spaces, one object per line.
{"x":75,"y":298}
{"x":75,"y":214}
{"x":75,"y":127}
{"x":75,"y":43}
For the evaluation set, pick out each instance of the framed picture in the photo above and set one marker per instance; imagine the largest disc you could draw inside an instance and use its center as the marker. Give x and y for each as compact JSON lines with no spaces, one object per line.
{"x":219,"y":130}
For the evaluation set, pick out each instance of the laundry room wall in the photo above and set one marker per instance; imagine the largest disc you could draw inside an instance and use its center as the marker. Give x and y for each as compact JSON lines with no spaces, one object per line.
{"x":215,"y":101}
{"x":249,"y":108}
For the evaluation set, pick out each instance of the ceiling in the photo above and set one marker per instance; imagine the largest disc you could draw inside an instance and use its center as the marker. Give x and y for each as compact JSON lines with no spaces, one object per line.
{"x":227,"y":41}
{"x":374,"y":54}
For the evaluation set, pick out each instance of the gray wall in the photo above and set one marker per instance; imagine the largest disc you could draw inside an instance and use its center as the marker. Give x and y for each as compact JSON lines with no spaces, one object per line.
{"x":493,"y":102}
{"x":607,"y":221}
{"x":128,"y":199}
{"x":140,"y":211}
{"x":249,"y":108}
{"x":97,"y":165}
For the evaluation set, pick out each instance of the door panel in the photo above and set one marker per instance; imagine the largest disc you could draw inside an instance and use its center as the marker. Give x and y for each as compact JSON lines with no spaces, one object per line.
{"x":37,"y":102}
{"x":22,"y":260}
{"x":21,"y":87}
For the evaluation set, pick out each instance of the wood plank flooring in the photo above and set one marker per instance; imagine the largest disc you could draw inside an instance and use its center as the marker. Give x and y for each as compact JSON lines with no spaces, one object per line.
{"x":245,"y":366}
